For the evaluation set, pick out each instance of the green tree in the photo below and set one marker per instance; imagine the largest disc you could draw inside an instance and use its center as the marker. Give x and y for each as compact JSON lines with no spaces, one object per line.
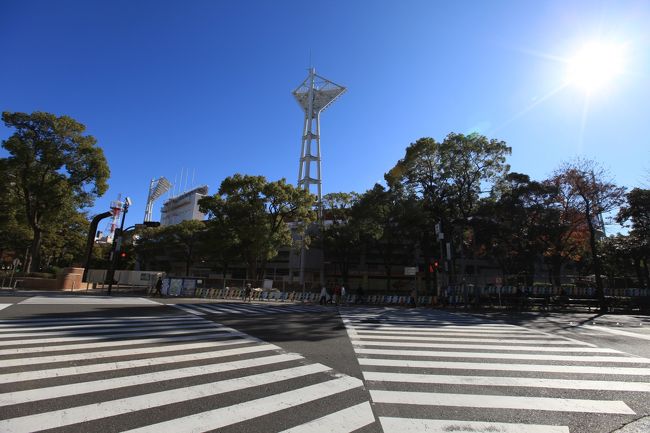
{"x":340,"y":235}
{"x":52,"y":166}
{"x":257,"y":213}
{"x":637,"y":213}
{"x":595,"y":196}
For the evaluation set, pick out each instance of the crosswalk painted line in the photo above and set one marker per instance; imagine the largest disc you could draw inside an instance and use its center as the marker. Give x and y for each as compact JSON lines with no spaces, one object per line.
{"x":600,"y":385}
{"x":349,"y":419}
{"x":106,"y":372}
{"x":402,"y":425}
{"x":3,"y":306}
{"x":491,"y":355}
{"x":428,"y":363}
{"x":582,"y":349}
{"x":248,"y":309}
{"x":501,"y":402}
{"x":244,"y":411}
{"x":87,"y":300}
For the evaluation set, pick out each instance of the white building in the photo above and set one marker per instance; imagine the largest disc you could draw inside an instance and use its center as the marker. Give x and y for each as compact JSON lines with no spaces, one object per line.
{"x":183,"y":207}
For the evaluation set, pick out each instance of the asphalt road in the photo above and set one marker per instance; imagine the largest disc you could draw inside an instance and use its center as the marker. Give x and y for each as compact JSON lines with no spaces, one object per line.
{"x":86,"y":364}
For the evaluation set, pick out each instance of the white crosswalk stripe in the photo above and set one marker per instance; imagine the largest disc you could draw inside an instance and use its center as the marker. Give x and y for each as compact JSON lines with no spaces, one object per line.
{"x":84,"y":374}
{"x":3,"y":306}
{"x":248,"y":309}
{"x":422,"y":367}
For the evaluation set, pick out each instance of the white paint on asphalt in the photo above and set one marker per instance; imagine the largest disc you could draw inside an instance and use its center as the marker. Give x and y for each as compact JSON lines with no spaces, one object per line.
{"x":3,"y":306}
{"x":527,"y":382}
{"x":468,"y":340}
{"x":493,"y":355}
{"x":494,"y":366}
{"x":113,"y":344}
{"x":406,"y":425}
{"x":435,"y":330}
{"x":225,"y":416}
{"x":87,"y":300}
{"x":356,"y":341}
{"x":501,"y":402}
{"x":79,"y":414}
{"x":48,"y":359}
{"x":9,"y":323}
{"x":204,"y":330}
{"x":342,"y":421}
{"x":187,"y":310}
{"x":121,"y":365}
{"x":116,"y":329}
{"x":38,"y":394}
{"x":617,"y":332}
{"x":126,"y":324}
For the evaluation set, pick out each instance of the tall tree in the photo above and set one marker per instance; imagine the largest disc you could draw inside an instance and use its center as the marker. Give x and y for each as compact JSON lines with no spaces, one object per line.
{"x":258,"y":212}
{"x":637,"y":213}
{"x":52,"y":166}
{"x":340,"y":235}
{"x":595,"y":195}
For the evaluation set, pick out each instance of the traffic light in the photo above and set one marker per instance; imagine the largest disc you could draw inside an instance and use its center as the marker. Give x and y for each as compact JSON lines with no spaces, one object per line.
{"x":433,"y":267}
{"x":123,"y":254}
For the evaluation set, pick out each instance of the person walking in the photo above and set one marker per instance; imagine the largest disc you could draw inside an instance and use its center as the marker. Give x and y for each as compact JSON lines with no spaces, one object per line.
{"x":337,"y":295}
{"x":343,"y":295}
{"x":323,"y":296}
{"x":247,"y":293}
{"x":158,"y":291}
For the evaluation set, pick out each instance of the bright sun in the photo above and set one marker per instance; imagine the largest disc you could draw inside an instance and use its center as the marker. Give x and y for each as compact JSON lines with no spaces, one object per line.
{"x":595,"y":65}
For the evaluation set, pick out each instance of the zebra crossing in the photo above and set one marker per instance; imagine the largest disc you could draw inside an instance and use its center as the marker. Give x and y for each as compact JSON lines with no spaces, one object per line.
{"x":203,"y":309}
{"x":440,"y":372}
{"x":178,"y":373}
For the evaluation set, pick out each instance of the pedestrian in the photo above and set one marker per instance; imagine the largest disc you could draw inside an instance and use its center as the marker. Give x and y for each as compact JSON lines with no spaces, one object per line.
{"x":413,"y":297}
{"x":343,"y":295}
{"x":247,"y":292}
{"x":158,"y":287}
{"x":323,"y":296}
{"x":359,"y":299}
{"x":337,"y":295}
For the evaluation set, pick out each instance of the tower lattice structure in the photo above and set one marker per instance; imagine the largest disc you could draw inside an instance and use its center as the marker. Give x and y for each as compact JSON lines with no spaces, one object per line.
{"x":314,"y":95}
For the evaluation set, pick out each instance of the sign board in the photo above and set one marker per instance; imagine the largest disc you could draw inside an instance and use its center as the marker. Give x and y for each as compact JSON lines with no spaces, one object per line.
{"x":410,"y":270}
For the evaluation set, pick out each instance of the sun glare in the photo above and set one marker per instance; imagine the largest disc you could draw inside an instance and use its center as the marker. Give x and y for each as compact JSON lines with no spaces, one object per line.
{"x":595,"y":65}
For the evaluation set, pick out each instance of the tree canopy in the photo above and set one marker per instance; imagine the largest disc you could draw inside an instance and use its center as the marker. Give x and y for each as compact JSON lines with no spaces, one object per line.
{"x":52,"y":167}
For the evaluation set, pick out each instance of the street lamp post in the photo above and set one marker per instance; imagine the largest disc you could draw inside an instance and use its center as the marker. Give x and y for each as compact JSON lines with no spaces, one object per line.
{"x":116,"y":239}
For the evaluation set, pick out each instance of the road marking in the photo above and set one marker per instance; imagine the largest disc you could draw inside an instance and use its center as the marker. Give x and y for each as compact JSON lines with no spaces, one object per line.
{"x":116,"y":328}
{"x":3,"y":306}
{"x":178,"y":320}
{"x":618,"y":332}
{"x":79,"y":414}
{"x":435,"y":330}
{"x":209,"y":330}
{"x":537,"y":368}
{"x":81,"y":320}
{"x":33,"y":395}
{"x":468,"y":340}
{"x":492,"y":355}
{"x":343,"y":421}
{"x":358,"y":342}
{"x":87,"y":300}
{"x":187,"y":310}
{"x":113,"y":344}
{"x":120,"y":365}
{"x":48,"y":359}
{"x":225,"y":416}
{"x":406,"y":425}
{"x":501,"y":402}
{"x":527,"y":382}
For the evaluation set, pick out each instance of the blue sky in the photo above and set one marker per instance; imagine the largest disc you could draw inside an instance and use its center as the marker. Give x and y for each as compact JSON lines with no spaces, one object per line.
{"x":205,"y":86}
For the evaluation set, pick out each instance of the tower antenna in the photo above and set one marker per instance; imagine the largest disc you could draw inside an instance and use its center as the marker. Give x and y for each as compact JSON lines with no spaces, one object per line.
{"x":314,"y":95}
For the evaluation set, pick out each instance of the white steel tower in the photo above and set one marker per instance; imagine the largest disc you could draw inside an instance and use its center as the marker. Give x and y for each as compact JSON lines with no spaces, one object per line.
{"x":157,"y":187}
{"x":314,"y":95}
